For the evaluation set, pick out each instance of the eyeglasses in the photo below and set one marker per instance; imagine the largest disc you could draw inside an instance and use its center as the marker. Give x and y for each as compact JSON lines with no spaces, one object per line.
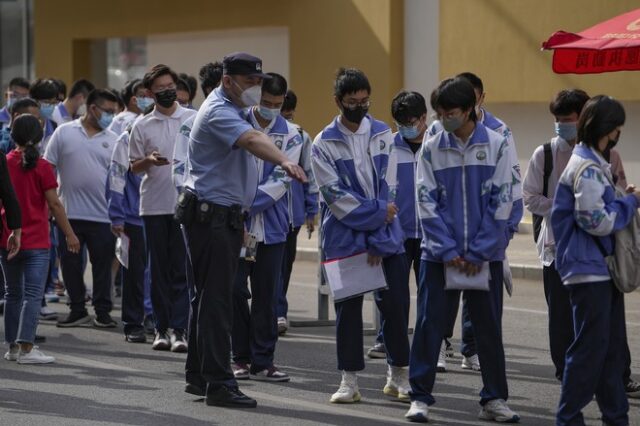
{"x":355,"y":104}
{"x":108,"y":111}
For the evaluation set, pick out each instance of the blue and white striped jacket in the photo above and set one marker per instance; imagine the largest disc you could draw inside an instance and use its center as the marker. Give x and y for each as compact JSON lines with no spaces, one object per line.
{"x":492,"y":122}
{"x":464,"y":196}
{"x":269,"y":213}
{"x":303,"y":197}
{"x":405,"y":197}
{"x":352,"y":223}
{"x":592,"y":211}
{"x":123,"y":186}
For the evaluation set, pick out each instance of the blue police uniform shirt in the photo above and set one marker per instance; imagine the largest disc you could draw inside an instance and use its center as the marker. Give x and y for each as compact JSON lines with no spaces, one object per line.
{"x":219,"y":171}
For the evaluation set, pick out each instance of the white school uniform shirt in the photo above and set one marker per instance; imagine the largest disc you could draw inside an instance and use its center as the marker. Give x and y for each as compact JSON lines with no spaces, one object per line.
{"x":121,"y":121}
{"x":157,"y":132}
{"x":538,"y":204}
{"x":82,"y":163}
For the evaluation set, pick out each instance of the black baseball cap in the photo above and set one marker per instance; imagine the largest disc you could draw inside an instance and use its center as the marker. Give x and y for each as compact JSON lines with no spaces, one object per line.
{"x":240,"y":63}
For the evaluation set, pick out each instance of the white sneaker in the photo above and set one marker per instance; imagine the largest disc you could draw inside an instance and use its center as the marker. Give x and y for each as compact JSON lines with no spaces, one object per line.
{"x":348,"y":391}
{"x":418,"y":413}
{"x":46,"y":313}
{"x":12,"y":353}
{"x":471,"y":363}
{"x":34,"y":357}
{"x":397,"y":383}
{"x":497,"y":410}
{"x":442,"y":359}
{"x":283,"y":325}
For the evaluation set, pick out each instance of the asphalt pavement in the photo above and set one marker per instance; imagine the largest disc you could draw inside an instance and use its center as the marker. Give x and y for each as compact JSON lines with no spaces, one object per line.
{"x":99,"y":379}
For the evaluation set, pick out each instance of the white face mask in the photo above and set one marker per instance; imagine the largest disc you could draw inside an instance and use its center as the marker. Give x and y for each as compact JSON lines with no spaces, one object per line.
{"x":250,"y":96}
{"x":82,"y":110}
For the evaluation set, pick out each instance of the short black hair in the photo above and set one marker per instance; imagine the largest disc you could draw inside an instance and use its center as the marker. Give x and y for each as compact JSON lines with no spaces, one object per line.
{"x":475,"y":81}
{"x":21,"y":105}
{"x":19,"y":82}
{"x":290,"y":101}
{"x":116,"y":93}
{"x":210,"y":75}
{"x":129,"y":90}
{"x":104,"y":94}
{"x":568,"y":101}
{"x":192,"y":83}
{"x":183,"y":86}
{"x":43,"y":89}
{"x":350,"y":80}
{"x":276,"y":85}
{"x":599,"y":117}
{"x":156,"y":72}
{"x":62,"y":88}
{"x":407,"y":105}
{"x":454,"y":93}
{"x":82,"y":86}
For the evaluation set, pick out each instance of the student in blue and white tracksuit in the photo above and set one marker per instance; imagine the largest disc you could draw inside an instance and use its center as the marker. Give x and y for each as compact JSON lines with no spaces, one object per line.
{"x":255,"y":332}
{"x":468,"y":347}
{"x":464,"y":192}
{"x":303,"y":209}
{"x":584,"y":218}
{"x":123,"y":198}
{"x":350,"y":160}
{"x":409,"y":110}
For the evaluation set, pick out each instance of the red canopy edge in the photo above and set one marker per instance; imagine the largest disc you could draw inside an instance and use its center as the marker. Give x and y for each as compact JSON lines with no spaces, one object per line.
{"x":593,"y":61}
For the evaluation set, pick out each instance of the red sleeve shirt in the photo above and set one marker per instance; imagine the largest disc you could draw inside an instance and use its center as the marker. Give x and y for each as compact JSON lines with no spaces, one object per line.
{"x":30,"y":187}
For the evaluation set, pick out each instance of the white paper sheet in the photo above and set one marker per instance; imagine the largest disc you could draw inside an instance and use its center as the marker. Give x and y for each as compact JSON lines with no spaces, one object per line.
{"x":353,"y":276}
{"x":456,"y":280}
{"x":122,"y":250}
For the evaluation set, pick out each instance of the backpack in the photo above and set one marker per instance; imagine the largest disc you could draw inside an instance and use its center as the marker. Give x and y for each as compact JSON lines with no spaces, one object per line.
{"x":548,"y":168}
{"x":624,"y":262}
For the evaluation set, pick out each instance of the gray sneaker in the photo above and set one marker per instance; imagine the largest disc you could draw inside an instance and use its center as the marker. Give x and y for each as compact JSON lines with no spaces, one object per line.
{"x":498,"y":411}
{"x":377,"y":351}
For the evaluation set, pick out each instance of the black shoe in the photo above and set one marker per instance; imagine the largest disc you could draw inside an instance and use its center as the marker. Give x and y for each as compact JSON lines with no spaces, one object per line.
{"x":39,"y":339}
{"x":104,"y":320}
{"x":194,"y":389}
{"x":149,"y":325}
{"x":229,"y":397}
{"x":136,"y":336}
{"x":74,"y":319}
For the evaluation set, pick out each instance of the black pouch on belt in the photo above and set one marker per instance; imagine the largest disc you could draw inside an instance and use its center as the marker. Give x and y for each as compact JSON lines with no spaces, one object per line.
{"x":186,"y":207}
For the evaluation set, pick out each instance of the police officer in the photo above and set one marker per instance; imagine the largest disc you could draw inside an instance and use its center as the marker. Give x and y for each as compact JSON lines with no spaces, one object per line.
{"x":220,"y":186}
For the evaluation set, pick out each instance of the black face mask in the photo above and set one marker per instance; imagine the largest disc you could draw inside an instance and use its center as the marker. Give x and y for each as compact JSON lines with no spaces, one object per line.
{"x":355,"y":115}
{"x":612,"y":143}
{"x":166,"y":98}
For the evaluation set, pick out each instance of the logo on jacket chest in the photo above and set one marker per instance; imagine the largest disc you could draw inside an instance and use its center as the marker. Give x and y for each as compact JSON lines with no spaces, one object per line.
{"x":278,"y":142}
{"x":481,"y":155}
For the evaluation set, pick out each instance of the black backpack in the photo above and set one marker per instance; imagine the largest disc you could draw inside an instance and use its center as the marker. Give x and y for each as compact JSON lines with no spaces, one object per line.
{"x":548,"y":168}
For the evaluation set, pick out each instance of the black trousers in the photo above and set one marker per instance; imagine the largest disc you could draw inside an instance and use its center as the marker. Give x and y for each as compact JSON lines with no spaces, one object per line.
{"x":169,"y":292}
{"x":133,"y":279}
{"x":255,"y":330}
{"x":100,"y":242}
{"x":282,"y":305}
{"x":215,"y":249}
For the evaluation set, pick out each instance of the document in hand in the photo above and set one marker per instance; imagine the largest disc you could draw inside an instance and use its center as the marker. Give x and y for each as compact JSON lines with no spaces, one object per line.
{"x":352,"y":276}
{"x":456,"y":280}
{"x":122,"y":250}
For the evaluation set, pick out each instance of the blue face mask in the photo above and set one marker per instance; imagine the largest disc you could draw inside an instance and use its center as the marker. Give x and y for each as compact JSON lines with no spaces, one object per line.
{"x":105,"y":120}
{"x":46,"y":110}
{"x":10,"y":101}
{"x":409,"y":132}
{"x":268,"y":113}
{"x":567,"y":131}
{"x":144,"y":102}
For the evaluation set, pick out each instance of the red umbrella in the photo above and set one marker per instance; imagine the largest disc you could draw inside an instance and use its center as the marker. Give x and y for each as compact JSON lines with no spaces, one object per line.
{"x":613,"y":45}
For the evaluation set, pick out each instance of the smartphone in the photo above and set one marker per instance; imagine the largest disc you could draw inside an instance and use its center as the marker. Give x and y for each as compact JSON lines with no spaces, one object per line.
{"x":161,"y":158}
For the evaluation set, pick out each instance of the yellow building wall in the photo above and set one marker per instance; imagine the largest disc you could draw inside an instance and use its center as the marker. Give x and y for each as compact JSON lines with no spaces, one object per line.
{"x":324,"y":35}
{"x":500,"y":41}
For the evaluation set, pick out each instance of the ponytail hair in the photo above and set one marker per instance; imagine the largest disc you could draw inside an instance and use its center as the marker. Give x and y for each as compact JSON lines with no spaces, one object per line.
{"x":26,"y":132}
